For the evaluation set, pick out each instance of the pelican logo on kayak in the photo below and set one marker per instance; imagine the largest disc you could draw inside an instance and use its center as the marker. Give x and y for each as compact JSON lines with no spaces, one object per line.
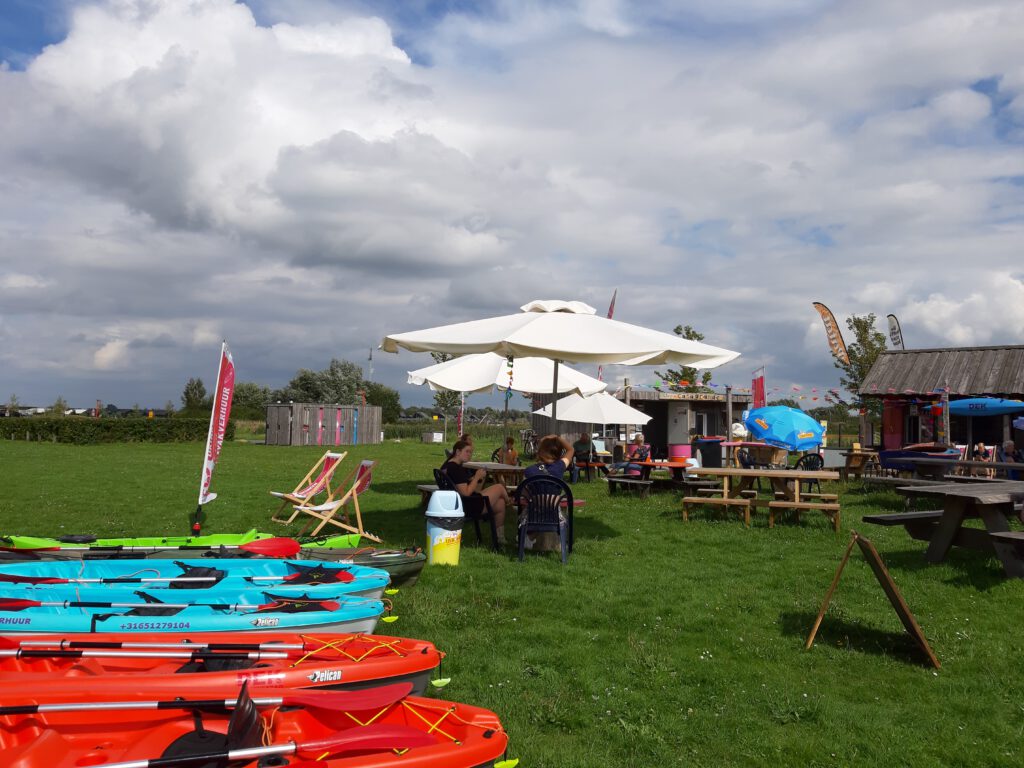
{"x":15,"y":620}
{"x":324,"y":676}
{"x":265,"y":622}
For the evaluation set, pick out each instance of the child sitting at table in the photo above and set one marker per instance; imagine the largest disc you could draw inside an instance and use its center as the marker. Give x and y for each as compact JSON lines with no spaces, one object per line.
{"x":509,"y":454}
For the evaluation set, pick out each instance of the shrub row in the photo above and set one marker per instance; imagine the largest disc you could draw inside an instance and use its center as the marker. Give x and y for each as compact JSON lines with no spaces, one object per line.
{"x":83,"y":431}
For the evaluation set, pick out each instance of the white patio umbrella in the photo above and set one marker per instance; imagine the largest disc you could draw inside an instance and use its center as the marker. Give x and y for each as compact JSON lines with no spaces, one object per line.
{"x":481,"y":373}
{"x":563,"y":331}
{"x":601,"y":408}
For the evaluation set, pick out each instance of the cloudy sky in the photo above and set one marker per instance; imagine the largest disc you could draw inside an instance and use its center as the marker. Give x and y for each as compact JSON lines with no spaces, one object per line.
{"x":302,"y":177}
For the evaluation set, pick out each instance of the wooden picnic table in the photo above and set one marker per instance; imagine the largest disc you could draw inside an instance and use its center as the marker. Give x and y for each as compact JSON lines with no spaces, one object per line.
{"x":785,"y":485}
{"x":506,"y":474}
{"x":993,"y":502}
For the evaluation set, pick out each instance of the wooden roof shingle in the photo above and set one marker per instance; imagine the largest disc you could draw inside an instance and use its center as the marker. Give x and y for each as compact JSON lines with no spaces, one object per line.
{"x":967,"y":371}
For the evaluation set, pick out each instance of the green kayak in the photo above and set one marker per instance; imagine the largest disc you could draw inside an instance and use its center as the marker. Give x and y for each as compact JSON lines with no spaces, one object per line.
{"x":404,"y":565}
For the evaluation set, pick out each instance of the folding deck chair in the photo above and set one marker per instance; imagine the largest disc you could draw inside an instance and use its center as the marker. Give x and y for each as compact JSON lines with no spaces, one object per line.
{"x":316,"y":481}
{"x":360,"y":479}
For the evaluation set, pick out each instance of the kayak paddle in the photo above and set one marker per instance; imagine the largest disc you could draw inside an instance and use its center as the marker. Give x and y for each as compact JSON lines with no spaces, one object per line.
{"x":19,"y":604}
{"x":277,"y":546}
{"x":368,"y":738}
{"x":340,"y":575}
{"x":338,"y":701}
{"x":197,"y":655}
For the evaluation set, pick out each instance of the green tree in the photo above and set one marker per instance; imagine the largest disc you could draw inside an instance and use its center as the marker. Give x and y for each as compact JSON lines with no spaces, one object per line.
{"x":387,"y":398}
{"x":340,"y":383}
{"x":169,"y":408}
{"x":59,"y":407}
{"x":868,"y":344}
{"x":194,"y":398}
{"x":13,"y":404}
{"x":695,"y":381}
{"x":444,"y":401}
{"x":250,"y":400}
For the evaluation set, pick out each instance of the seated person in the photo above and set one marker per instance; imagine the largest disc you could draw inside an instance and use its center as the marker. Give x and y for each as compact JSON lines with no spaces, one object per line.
{"x":465,"y":438}
{"x":636,"y":451}
{"x":554,"y":456}
{"x":1013,"y":454}
{"x":469,"y":482}
{"x":509,"y":454}
{"x":585,"y":453}
{"x":981,"y":453}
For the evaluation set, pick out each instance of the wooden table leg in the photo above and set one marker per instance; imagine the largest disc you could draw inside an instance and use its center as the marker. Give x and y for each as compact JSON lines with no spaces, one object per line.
{"x":995,"y":517}
{"x":952,"y":518}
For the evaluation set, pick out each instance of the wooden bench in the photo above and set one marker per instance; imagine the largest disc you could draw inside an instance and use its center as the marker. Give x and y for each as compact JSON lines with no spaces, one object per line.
{"x":743,"y":504}
{"x":642,"y":487}
{"x":830,"y":509}
{"x":922,"y":526}
{"x":820,"y":496}
{"x":425,"y":492}
{"x":902,"y":518}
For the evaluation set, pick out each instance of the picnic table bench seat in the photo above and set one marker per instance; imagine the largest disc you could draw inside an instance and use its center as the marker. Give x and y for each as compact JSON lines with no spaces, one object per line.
{"x":642,"y":487}
{"x":922,"y":526}
{"x":902,"y":518}
{"x":831,"y":510}
{"x":743,"y":504}
{"x":426,"y":490}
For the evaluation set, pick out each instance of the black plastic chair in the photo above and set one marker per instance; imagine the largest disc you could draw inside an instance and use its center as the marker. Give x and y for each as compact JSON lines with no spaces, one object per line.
{"x":810,"y":462}
{"x":476,"y":508}
{"x":747,"y":462}
{"x":545,"y":506}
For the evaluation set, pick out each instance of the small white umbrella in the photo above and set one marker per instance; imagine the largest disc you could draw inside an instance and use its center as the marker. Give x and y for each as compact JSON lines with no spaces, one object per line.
{"x":601,"y":408}
{"x":481,"y":373}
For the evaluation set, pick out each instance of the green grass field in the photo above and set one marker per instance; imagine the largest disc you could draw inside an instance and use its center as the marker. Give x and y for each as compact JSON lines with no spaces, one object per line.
{"x":660,"y":643}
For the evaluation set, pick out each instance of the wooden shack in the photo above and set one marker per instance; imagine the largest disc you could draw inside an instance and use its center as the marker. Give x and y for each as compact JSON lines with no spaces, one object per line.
{"x":910,"y":383}
{"x":323,"y":424}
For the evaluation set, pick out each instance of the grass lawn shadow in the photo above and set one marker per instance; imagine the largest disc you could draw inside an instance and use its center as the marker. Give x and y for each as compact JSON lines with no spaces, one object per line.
{"x":967,"y":564}
{"x":837,"y":632}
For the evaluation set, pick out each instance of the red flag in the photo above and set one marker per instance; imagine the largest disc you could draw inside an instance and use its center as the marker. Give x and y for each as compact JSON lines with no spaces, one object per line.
{"x":757,"y":388}
{"x":218,"y":422}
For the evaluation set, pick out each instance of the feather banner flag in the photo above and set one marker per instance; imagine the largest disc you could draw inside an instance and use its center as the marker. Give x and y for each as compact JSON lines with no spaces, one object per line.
{"x":835,"y":336}
{"x":895,"y":332}
{"x":219,"y":415}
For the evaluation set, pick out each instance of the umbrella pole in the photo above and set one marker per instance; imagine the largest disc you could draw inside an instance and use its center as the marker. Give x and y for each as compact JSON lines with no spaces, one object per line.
{"x":554,"y":402}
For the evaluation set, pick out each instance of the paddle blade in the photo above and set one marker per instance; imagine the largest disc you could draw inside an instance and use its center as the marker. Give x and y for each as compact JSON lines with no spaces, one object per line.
{"x":11,"y":579}
{"x":368,"y":698}
{"x":276,"y":547}
{"x":17,"y":604}
{"x":370,"y":738}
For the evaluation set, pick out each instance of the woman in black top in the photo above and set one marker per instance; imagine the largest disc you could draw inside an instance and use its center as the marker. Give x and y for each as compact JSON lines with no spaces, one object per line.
{"x":468,"y":482}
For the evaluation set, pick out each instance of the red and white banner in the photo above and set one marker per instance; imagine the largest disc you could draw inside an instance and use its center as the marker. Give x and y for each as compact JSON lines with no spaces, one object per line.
{"x":757,"y":389}
{"x":218,"y":422}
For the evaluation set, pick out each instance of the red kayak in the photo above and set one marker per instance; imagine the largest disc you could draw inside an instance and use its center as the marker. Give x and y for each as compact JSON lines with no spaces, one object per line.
{"x":215,"y":664}
{"x":373,"y":728}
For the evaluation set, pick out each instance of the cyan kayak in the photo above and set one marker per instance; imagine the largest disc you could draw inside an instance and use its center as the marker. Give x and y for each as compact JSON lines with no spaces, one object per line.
{"x":251,"y":610}
{"x":214,"y":576}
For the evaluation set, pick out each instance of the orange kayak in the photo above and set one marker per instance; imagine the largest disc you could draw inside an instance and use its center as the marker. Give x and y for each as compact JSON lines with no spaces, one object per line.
{"x":215,"y":664}
{"x":374,"y":728}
